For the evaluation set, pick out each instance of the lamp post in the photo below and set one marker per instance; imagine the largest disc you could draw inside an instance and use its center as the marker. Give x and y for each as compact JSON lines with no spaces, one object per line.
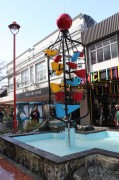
{"x":14,"y":28}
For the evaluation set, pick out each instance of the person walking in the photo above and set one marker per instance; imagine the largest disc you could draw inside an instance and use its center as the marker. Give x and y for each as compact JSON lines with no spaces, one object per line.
{"x":101,"y":115}
{"x":1,"y":115}
{"x":112,"y":114}
{"x":35,"y":115}
{"x":117,"y":116}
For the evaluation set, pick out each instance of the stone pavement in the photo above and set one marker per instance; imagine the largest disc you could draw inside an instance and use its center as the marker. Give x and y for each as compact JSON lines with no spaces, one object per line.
{"x":9,"y":170}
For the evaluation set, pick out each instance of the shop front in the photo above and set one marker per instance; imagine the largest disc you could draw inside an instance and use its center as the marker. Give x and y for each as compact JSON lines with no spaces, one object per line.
{"x":104,"y":95}
{"x":29,"y":100}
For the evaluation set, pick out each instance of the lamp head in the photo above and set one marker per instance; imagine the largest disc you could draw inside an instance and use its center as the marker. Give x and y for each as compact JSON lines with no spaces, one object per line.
{"x":14,"y":28}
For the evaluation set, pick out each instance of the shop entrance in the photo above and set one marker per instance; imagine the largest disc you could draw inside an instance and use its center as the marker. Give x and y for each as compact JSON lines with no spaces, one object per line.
{"x":103,"y":103}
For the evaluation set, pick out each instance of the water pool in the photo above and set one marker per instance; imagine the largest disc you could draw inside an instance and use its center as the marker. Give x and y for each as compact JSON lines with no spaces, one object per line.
{"x":55,"y":142}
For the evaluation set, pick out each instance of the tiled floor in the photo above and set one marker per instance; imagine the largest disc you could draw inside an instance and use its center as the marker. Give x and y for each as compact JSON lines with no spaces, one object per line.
{"x":10,"y":171}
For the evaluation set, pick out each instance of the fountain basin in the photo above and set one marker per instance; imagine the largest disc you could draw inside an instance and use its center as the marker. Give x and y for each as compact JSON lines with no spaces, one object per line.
{"x":53,"y":166}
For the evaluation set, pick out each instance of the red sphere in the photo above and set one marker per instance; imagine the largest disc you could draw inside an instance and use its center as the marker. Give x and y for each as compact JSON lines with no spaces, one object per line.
{"x":64,"y":22}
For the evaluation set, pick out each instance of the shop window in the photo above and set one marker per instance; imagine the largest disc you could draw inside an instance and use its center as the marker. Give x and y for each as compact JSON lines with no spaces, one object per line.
{"x":99,"y":90}
{"x":113,"y":73}
{"x":103,"y":75}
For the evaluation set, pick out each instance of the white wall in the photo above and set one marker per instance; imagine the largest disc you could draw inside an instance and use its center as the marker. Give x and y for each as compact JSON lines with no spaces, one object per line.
{"x":104,"y":65}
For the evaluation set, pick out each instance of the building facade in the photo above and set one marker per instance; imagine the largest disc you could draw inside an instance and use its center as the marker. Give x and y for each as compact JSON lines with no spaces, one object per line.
{"x":31,"y":68}
{"x":102,"y":47}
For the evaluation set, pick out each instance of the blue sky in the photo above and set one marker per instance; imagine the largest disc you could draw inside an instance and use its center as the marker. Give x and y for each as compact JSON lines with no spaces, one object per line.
{"x":37,"y":19}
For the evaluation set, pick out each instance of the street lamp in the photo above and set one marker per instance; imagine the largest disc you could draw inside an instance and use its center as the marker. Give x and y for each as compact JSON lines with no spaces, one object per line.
{"x":14,"y":28}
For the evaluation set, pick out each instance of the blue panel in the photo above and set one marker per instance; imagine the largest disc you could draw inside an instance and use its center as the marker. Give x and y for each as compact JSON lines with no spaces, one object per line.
{"x":36,"y":103}
{"x":75,"y":56}
{"x":22,"y":102}
{"x":60,"y":109}
{"x":74,"y":82}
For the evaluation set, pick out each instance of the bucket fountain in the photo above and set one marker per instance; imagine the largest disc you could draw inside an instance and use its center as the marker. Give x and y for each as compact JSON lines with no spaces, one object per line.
{"x":64,"y":59}
{"x":59,"y":155}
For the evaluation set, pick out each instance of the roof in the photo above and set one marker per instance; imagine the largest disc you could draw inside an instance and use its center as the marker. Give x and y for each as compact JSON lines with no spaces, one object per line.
{"x":100,"y":30}
{"x":89,"y":20}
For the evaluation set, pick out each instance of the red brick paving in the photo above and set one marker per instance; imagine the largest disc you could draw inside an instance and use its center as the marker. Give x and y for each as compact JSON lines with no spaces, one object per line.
{"x":9,"y":171}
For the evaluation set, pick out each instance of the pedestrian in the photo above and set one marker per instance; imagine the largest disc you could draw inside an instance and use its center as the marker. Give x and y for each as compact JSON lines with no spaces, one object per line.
{"x":35,"y":115}
{"x":113,"y":111}
{"x":117,"y":116}
{"x":1,"y":115}
{"x":101,"y":115}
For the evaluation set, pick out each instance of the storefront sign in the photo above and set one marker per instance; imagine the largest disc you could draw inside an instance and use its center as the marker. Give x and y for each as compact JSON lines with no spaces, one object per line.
{"x":38,"y":92}
{"x":33,"y":93}
{"x":112,"y":73}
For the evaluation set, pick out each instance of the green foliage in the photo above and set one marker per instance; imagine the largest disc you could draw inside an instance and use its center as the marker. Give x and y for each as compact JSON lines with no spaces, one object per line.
{"x":21,"y":129}
{"x":6,"y":118}
{"x":32,"y":125}
{"x":4,"y":131}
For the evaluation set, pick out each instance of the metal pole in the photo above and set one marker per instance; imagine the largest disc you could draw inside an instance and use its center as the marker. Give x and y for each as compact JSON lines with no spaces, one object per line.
{"x":14,"y":28}
{"x":69,"y":138}
{"x":14,"y":63}
{"x":64,"y":36}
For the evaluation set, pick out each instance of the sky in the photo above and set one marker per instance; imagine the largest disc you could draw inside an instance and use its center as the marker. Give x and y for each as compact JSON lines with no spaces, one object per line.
{"x":37,"y":19}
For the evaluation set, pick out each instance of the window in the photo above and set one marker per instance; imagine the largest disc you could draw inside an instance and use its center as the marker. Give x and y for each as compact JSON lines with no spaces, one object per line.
{"x":114,"y":50}
{"x":99,"y":45}
{"x":103,"y":75}
{"x":10,"y":82}
{"x":25,"y":77}
{"x":100,"y":55}
{"x":107,"y":54}
{"x":31,"y":75}
{"x":93,"y":57}
{"x":113,"y":39}
{"x":40,"y":72}
{"x":18,"y":84}
{"x":105,"y":42}
{"x":104,"y":50}
{"x":18,"y":81}
{"x":92,"y":48}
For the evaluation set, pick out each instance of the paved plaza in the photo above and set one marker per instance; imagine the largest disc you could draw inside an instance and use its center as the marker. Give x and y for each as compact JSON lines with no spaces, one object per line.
{"x":9,"y":170}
